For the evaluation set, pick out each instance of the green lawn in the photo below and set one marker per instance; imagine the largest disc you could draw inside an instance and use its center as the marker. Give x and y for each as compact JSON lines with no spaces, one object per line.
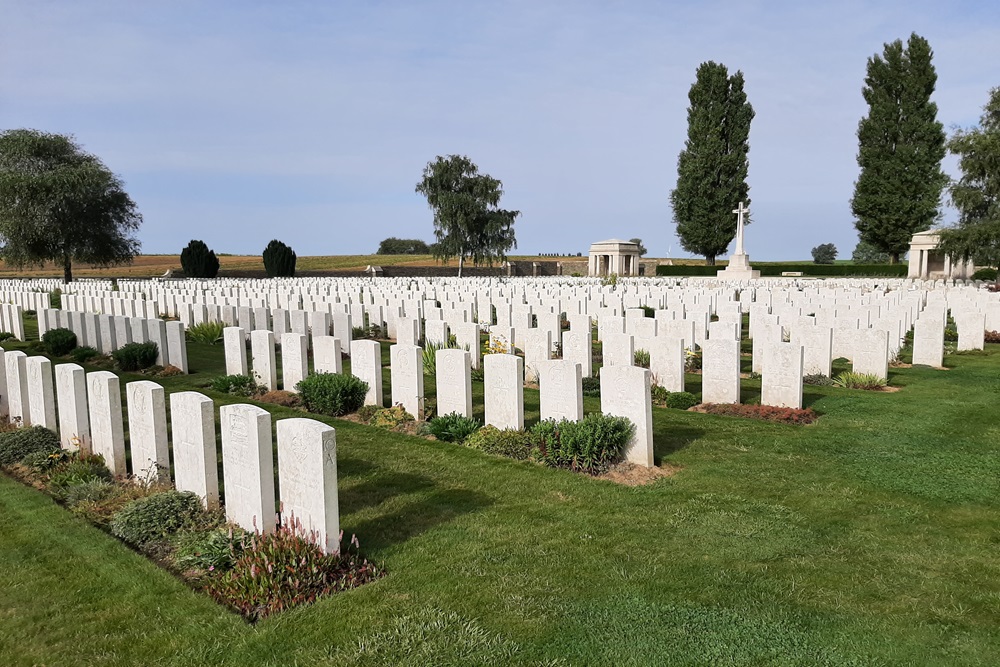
{"x":868,"y":538}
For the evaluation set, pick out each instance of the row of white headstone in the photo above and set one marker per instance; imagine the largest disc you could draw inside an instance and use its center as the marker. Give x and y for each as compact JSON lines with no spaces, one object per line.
{"x":107,"y":333}
{"x":89,"y":407}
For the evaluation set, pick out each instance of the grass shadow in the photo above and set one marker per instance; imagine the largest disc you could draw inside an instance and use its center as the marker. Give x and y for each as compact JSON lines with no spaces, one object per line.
{"x":374,"y":492}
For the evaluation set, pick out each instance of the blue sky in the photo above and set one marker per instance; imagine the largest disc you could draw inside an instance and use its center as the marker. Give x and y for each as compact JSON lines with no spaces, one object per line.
{"x":238,"y":122}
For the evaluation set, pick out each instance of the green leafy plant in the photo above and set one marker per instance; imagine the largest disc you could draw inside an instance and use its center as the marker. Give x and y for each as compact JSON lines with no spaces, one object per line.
{"x":155,"y":516}
{"x":6,"y":335}
{"x":209,"y":550}
{"x":44,"y":461}
{"x":78,"y":471}
{"x":985,"y":274}
{"x":237,"y":385}
{"x":852,"y":380}
{"x":83,"y":354}
{"x":90,"y":491}
{"x":590,"y":445}
{"x":206,"y":332}
{"x":286,"y":568}
{"x":15,"y":445}
{"x":198,"y":261}
{"x":279,"y":260}
{"x":332,"y":394}
{"x":678,"y":400}
{"x":59,"y":341}
{"x":641,"y":358}
{"x":391,"y":418}
{"x":511,"y":443}
{"x":592,"y":386}
{"x":692,"y":360}
{"x":817,"y":379}
{"x":135,"y":356}
{"x":453,"y":427}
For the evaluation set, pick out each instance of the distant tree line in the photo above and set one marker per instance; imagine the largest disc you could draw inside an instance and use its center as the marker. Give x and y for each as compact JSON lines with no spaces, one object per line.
{"x":394,"y":246}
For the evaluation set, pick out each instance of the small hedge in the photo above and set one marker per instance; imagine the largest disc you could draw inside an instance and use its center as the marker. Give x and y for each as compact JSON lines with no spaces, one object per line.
{"x":237,"y":385}
{"x":678,"y":400}
{"x":84,"y":354}
{"x":59,"y":342}
{"x":332,"y":394}
{"x":810,"y":269}
{"x":135,"y":356}
{"x":507,"y":442}
{"x":453,"y":427}
{"x":15,"y":445}
{"x":155,"y":516}
{"x":985,"y":274}
{"x":590,"y":445}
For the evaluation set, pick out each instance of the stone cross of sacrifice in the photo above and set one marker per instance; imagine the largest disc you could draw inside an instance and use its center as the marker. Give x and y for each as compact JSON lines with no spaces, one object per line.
{"x":740,"y":213}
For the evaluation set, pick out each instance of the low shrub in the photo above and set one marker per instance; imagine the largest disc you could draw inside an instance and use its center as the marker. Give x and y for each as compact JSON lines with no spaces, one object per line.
{"x":764,"y":412}
{"x":209,"y":550}
{"x":590,"y":445}
{"x":366,"y":412}
{"x":59,"y":342}
{"x":92,"y":491}
{"x":237,"y":385}
{"x":83,"y":354}
{"x":852,"y":380}
{"x":373,"y":332}
{"x":156,"y":516}
{"x":280,"y":397}
{"x":991,"y":337}
{"x":817,"y":379}
{"x":332,"y":394}
{"x":391,"y":417}
{"x":678,"y":400}
{"x":592,"y":386}
{"x":45,"y":461}
{"x":985,"y":274}
{"x":6,"y":335}
{"x":453,"y":427}
{"x":640,"y":358}
{"x":77,"y":471}
{"x":206,"y":332}
{"x":15,"y":445}
{"x":507,"y":442}
{"x":287,"y":568}
{"x":135,"y":356}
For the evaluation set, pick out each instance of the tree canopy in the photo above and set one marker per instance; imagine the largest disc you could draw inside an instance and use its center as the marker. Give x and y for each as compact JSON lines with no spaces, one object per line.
{"x":712,"y":168}
{"x":642,"y":248}
{"x":976,"y":194}
{"x":866,"y":253}
{"x":199,"y":261}
{"x":468,"y":220}
{"x":824,"y":253}
{"x":900,"y":148}
{"x":279,"y":260}
{"x":394,"y":246}
{"x":59,"y":203}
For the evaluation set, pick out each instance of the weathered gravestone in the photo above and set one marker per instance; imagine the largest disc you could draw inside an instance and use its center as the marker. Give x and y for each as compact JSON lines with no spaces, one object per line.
{"x":407,"y":373}
{"x":326,"y":355}
{"x":235,"y":345}
{"x":503,"y":386}
{"x":366,"y":364}
{"x":560,"y":390}
{"x":248,"y":466}
{"x":453,"y":381}
{"x":107,"y":436}
{"x":781,"y":381}
{"x":192,"y":422}
{"x":41,"y":392}
{"x":71,"y":395}
{"x":147,"y":430}
{"x":720,"y":371}
{"x":294,"y":360}
{"x":307,"y":478}
{"x":265,"y":366}
{"x":625,"y":392}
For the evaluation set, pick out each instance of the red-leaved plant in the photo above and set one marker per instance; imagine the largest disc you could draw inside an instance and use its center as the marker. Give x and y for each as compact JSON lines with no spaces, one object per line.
{"x":285,"y":568}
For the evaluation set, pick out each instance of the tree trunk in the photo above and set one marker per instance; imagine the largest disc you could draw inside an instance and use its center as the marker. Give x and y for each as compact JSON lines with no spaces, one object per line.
{"x":894,"y":258}
{"x":709,"y":260}
{"x":461,"y":263}
{"x":67,"y":268}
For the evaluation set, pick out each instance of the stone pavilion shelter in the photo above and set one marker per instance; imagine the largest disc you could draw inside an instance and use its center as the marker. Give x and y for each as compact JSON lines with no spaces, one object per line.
{"x":614,"y":256}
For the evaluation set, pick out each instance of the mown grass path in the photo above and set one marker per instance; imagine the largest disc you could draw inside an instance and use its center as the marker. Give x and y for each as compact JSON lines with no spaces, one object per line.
{"x":868,"y":538}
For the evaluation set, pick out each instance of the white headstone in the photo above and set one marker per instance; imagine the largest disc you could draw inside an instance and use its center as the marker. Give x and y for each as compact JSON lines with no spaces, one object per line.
{"x":625,"y":392}
{"x":667,"y":361}
{"x":618,"y":350}
{"x":16,"y":366}
{"x":307,"y":477}
{"x":503,"y":386}
{"x":928,"y":344}
{"x":560,"y":390}
{"x":407,"y":373}
{"x":265,"y":367}
{"x":71,"y":395}
{"x":720,"y":374}
{"x":453,"y":381}
{"x":41,"y":392}
{"x":107,"y":433}
{"x":326,"y":355}
{"x":781,"y":381}
{"x":235,"y":343}
{"x":294,"y":360}
{"x":248,"y":466}
{"x":147,"y":430}
{"x":192,"y":422}
{"x":871,"y":353}
{"x":578,"y":348}
{"x":177,"y":346}
{"x":366,"y":364}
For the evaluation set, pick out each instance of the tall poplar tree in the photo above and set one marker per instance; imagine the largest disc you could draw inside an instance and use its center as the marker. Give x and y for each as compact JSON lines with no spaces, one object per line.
{"x":712,"y":168}
{"x":900,"y":148}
